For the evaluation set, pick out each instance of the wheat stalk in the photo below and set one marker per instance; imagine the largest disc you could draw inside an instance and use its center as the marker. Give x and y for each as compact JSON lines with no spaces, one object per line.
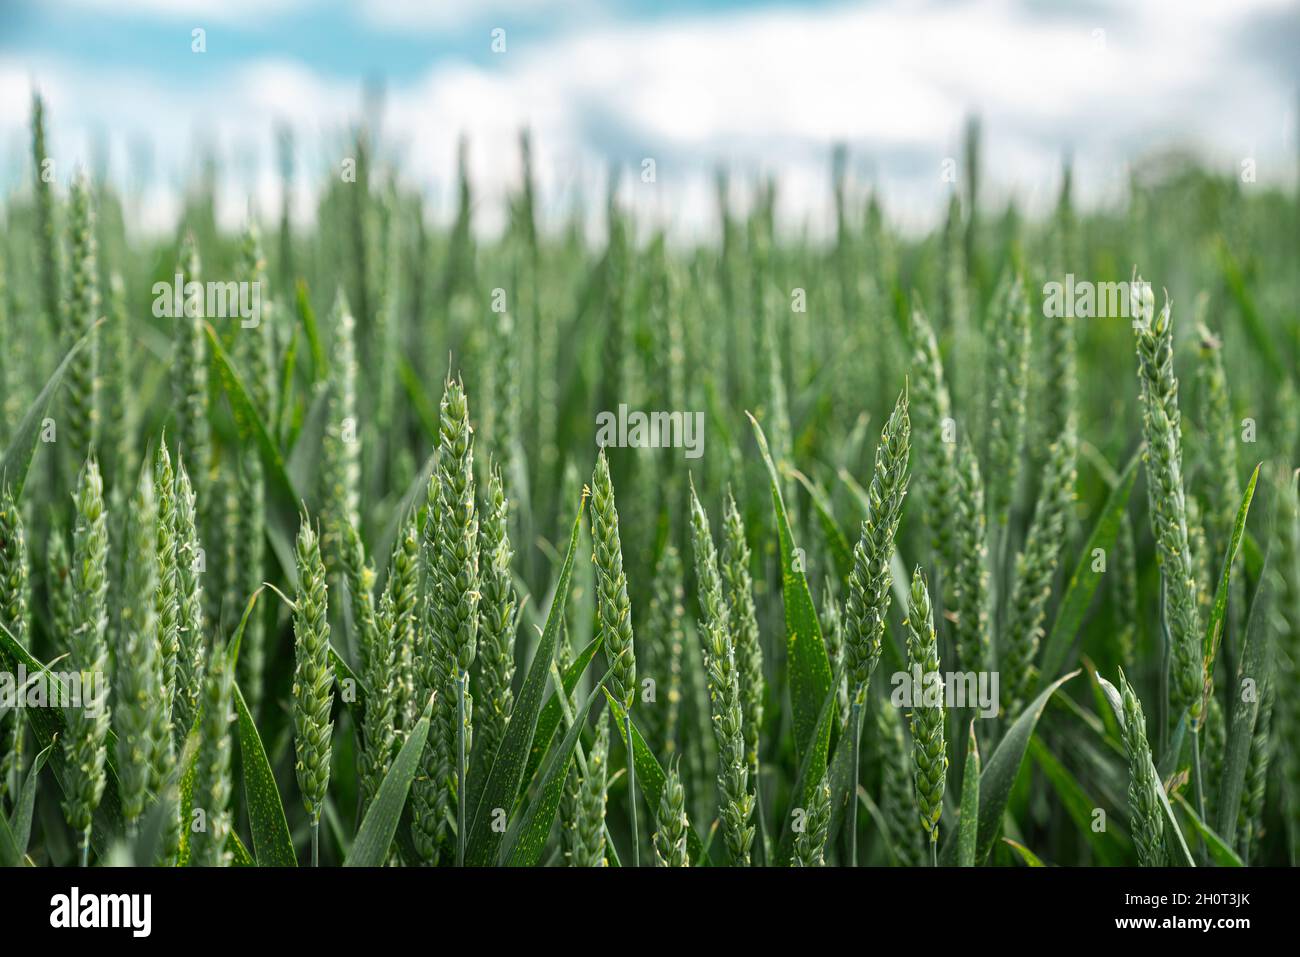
{"x":869,"y":582}
{"x":810,"y":841}
{"x":499,"y":614}
{"x":1007,"y":401}
{"x":663,"y":651}
{"x":456,"y":578}
{"x":1168,"y":510}
{"x":313,"y":680}
{"x":190,"y":367}
{"x":212,"y":779}
{"x":403,"y":589}
{"x":430,"y":795}
{"x":341,"y":449}
{"x":1147,"y":821}
{"x":191,"y":654}
{"x":929,"y":757}
{"x":138,"y":711}
{"x":15,"y":597}
{"x":58,"y":578}
{"x":589,"y":832}
{"x":724,"y":692}
{"x":671,"y":823}
{"x":46,"y":218}
{"x":82,"y":312}
{"x":931,"y":408}
{"x":1035,"y":569}
{"x":867,"y":603}
{"x":614,"y":613}
{"x":970,"y":567}
{"x":897,"y":797}
{"x":377,"y":651}
{"x":744,"y":622}
{"x":84,"y":745}
{"x":248,"y":553}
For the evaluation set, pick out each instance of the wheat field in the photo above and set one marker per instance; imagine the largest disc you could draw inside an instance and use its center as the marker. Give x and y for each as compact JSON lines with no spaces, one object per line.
{"x":381,"y":542}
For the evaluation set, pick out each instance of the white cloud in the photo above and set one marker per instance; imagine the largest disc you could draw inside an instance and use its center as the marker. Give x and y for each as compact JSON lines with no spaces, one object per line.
{"x":429,"y":15}
{"x":242,"y":12}
{"x":766,"y":91}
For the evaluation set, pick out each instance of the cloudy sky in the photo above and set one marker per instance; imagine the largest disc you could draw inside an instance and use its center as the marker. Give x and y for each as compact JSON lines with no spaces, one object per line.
{"x":761,"y":86}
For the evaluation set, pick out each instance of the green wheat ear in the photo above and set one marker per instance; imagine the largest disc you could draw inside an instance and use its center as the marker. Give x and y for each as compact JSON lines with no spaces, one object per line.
{"x":613,"y":607}
{"x":456,"y":585}
{"x":499,"y":616}
{"x":404,"y":591}
{"x":740,"y":603}
{"x":167,"y":600}
{"x":139,"y":713}
{"x":213,"y":788}
{"x":589,"y":831}
{"x":58,"y":577}
{"x":929,"y":757}
{"x":249,"y":551}
{"x":868,"y":598}
{"x":663,"y":652}
{"x":1147,"y":821}
{"x":897,"y":795}
{"x":190,"y":366}
{"x":970,"y":569}
{"x":191,"y":654}
{"x":255,"y":346}
{"x":1167,"y":504}
{"x":430,"y":796}
{"x":117,"y":372}
{"x":932,"y":410}
{"x":724,"y":692}
{"x":313,"y":679}
{"x":82,"y":313}
{"x":376,"y":633}
{"x":810,"y":842}
{"x":15,"y":600}
{"x":671,"y":823}
{"x":85,"y":743}
{"x":46,"y":218}
{"x":1007,"y":402}
{"x":341,"y":448}
{"x":1035,"y":570}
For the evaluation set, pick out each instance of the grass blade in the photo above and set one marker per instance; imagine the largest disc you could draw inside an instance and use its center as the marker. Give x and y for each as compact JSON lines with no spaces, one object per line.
{"x":22,"y":823}
{"x":526,"y":838}
{"x":1214,"y":631}
{"x":1220,"y":852}
{"x":1000,"y":774}
{"x":807,"y":663}
{"x":17,"y":461}
{"x":370,"y":849}
{"x":1256,"y":667}
{"x":272,"y":844}
{"x":968,"y":826}
{"x":549,"y":719}
{"x":811,"y":770}
{"x":1113,"y":849}
{"x":1026,"y":855}
{"x":10,"y":856}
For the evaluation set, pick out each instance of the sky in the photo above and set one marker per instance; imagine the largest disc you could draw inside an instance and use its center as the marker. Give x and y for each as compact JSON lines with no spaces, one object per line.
{"x":761,"y":86}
